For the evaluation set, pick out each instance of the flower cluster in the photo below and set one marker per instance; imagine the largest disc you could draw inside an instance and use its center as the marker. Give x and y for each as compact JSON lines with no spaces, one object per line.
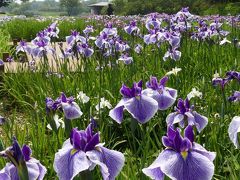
{"x":143,"y":104}
{"x":230,"y":75}
{"x":65,"y":104}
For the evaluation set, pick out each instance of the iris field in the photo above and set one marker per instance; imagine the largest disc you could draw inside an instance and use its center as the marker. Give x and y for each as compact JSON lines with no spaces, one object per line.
{"x":143,"y":85}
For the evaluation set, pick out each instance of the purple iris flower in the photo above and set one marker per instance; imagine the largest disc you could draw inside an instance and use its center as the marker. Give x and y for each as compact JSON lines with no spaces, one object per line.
{"x":153,"y":23}
{"x":138,"y":48}
{"x":174,"y":41}
{"x":186,"y":113}
{"x":102,"y":41}
{"x":85,"y":50}
{"x":163,"y":95}
{"x":109,"y":30}
{"x":234,"y":131}
{"x":88,"y":29}
{"x":220,"y":81}
{"x":83,"y":151}
{"x":41,"y":36}
{"x":173,"y":54}
{"x":66,"y":104}
{"x":151,"y":38}
{"x":139,"y":105}
{"x":52,"y":30}
{"x":2,"y":120}
{"x":70,"y":108}
{"x":121,"y":46}
{"x":233,"y":75}
{"x":41,"y":48}
{"x":75,"y":37}
{"x":22,"y":165}
{"x":183,"y":159}
{"x":132,"y":27}
{"x":126,"y":58}
{"x":1,"y":62}
{"x":235,"y":97}
{"x":23,"y":47}
{"x":10,"y":59}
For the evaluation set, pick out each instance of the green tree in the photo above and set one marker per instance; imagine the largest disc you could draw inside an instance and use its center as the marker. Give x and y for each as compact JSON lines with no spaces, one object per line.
{"x":5,"y":2}
{"x":24,"y":1}
{"x":73,"y":7}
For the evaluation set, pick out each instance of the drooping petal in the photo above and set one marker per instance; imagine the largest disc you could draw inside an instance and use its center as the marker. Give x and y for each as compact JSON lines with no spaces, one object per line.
{"x":117,"y":112}
{"x":200,"y":121}
{"x":142,"y":108}
{"x":5,"y":172}
{"x":68,"y":163}
{"x":165,"y":100}
{"x":170,"y":118}
{"x":71,"y":110}
{"x":172,"y":92}
{"x":233,"y":130}
{"x":9,"y":172}
{"x":190,"y":118}
{"x":195,"y":166}
{"x":33,"y":170}
{"x":178,"y":118}
{"x":114,"y":160}
{"x":201,"y":150}
{"x":96,"y":158}
{"x":79,"y":163}
{"x":154,"y":171}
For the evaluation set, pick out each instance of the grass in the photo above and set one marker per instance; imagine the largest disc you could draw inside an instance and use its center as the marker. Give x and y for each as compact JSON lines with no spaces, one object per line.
{"x":25,"y":93}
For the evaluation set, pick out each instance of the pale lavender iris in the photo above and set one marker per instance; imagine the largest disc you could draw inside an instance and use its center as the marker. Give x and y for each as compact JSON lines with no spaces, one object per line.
{"x":110,"y":30}
{"x":1,"y":62}
{"x":138,"y":48}
{"x":23,"y":47}
{"x":139,"y":105}
{"x":52,"y":30}
{"x":183,"y":159}
{"x":220,"y":81}
{"x":66,"y":104}
{"x":235,"y":97}
{"x":41,"y":48}
{"x":22,"y":165}
{"x":102,"y":41}
{"x":153,"y":23}
{"x":88,"y":29}
{"x":163,"y":95}
{"x":2,"y":120}
{"x":234,"y":131}
{"x":233,"y":75}
{"x":10,"y":59}
{"x":82,"y":152}
{"x":121,"y":46}
{"x":126,"y":59}
{"x":173,"y":54}
{"x":151,"y":38}
{"x":132,"y":28}
{"x":85,"y":49}
{"x":75,"y":37}
{"x":186,"y":114}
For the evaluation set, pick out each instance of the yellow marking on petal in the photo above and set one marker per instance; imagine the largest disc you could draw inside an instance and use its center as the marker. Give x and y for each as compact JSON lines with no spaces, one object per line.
{"x":184,"y":154}
{"x":73,"y":151}
{"x":138,"y":97}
